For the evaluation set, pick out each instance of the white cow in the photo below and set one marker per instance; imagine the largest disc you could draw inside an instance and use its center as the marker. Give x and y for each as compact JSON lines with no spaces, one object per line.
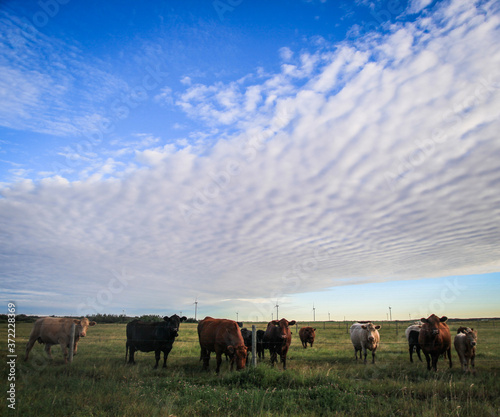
{"x":465,"y":344}
{"x":57,"y":331}
{"x":365,"y":336}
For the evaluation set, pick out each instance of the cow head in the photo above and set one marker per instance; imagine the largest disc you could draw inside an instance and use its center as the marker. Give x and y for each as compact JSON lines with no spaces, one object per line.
{"x":371,"y":331}
{"x":282,"y":325}
{"x":433,"y":323}
{"x":82,"y":326}
{"x":238,"y":354}
{"x":471,"y":337}
{"x":174,"y":322}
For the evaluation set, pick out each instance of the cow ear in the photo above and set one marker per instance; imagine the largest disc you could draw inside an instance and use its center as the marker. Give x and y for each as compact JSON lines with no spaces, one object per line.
{"x":378,"y":326}
{"x":314,"y":329}
{"x":230,"y":349}
{"x":166,"y":318}
{"x":443,"y":319}
{"x":76,"y":321}
{"x":183,"y":318}
{"x":424,"y":320}
{"x":363,"y":326}
{"x":291,"y":323}
{"x":92,"y":323}
{"x":275,"y":322}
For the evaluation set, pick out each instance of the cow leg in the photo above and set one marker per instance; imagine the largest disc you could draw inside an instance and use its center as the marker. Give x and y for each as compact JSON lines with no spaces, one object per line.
{"x":356,"y":354}
{"x":304,"y":345}
{"x":29,"y":346}
{"x":131,"y":359}
{"x":472,"y":359}
{"x":47,"y":350}
{"x":428,"y":360}
{"x":165,"y":356}
{"x":418,"y":353}
{"x":365,"y":354}
{"x":435,"y":358}
{"x":373,"y":355}
{"x":218,"y":358}
{"x":312,"y":344}
{"x":449,"y":356}
{"x":283,"y":359}
{"x":64,"y":348}
{"x":411,"y":353}
{"x":273,"y":358}
{"x":205,"y":356}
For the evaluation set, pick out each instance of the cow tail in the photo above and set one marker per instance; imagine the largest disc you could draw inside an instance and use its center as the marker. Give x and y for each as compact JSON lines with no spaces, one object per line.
{"x":126,"y":352}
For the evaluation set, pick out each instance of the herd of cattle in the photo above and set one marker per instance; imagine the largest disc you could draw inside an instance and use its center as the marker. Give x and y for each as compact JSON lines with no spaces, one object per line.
{"x":431,"y":336}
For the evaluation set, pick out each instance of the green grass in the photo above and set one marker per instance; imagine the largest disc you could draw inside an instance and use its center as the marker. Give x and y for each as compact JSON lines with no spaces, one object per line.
{"x":322,"y":381}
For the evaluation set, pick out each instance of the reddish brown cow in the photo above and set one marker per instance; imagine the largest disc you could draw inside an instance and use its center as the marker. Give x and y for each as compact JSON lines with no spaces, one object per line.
{"x":307,"y":335}
{"x":57,"y":331}
{"x":277,"y":339}
{"x":221,"y":336}
{"x":435,"y":339}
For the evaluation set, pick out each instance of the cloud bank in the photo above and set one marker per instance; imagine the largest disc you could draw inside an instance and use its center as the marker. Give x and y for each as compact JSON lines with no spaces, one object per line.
{"x":362,"y":161}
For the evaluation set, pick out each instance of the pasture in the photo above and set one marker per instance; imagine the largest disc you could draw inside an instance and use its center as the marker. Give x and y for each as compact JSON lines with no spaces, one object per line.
{"x":321,"y":381}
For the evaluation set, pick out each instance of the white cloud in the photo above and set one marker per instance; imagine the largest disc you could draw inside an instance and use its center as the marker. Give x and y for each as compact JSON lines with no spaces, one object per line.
{"x":376,"y":162}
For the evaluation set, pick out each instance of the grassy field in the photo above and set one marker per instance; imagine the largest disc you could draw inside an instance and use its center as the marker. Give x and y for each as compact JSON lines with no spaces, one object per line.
{"x":322,"y":381}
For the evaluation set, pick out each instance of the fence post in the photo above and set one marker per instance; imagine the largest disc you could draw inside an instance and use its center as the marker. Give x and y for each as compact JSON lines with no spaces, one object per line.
{"x":71,"y":342}
{"x":254,"y":346}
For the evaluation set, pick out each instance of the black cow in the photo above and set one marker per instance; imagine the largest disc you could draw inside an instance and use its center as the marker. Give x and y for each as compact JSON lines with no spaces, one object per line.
{"x":277,"y":339}
{"x":260,"y":343}
{"x":157,"y":336}
{"x":247,"y":338}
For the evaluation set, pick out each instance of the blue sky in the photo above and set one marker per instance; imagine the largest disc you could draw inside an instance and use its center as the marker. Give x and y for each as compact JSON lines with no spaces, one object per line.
{"x":336,"y":153}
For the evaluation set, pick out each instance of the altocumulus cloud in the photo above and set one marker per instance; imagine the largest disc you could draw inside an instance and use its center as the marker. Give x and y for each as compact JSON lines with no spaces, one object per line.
{"x":362,"y":161}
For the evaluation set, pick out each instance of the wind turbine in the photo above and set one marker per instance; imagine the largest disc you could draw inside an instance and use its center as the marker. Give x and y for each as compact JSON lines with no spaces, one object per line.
{"x":277,"y":306}
{"x":195,"y":307}
{"x":314,"y":313}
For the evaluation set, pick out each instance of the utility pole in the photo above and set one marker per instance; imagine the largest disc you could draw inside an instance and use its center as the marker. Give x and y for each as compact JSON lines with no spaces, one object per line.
{"x":195,"y":308}
{"x":314,"y":313}
{"x":329,"y":316}
{"x":236,"y":316}
{"x":277,"y":306}
{"x":390,"y":313}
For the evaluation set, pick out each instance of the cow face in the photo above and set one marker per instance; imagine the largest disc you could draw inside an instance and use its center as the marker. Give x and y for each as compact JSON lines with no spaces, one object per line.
{"x":371,"y":333}
{"x":282,"y":325}
{"x":238,"y":355}
{"x":174,"y":322}
{"x":433,"y":323}
{"x":82,"y":326}
{"x":471,"y":337}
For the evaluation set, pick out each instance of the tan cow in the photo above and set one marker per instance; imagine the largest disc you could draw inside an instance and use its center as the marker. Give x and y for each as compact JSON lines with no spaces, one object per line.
{"x":57,"y":331}
{"x":465,"y":344}
{"x":365,"y":336}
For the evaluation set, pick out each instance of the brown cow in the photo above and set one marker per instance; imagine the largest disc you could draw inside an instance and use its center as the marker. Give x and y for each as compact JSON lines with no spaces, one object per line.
{"x":57,"y":330}
{"x":465,"y":344}
{"x":307,"y":335}
{"x":221,"y":336}
{"x":277,"y":339}
{"x":435,"y":339}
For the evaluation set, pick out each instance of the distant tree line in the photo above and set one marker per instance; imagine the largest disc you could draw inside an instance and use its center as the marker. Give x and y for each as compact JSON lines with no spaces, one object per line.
{"x":99,"y":318}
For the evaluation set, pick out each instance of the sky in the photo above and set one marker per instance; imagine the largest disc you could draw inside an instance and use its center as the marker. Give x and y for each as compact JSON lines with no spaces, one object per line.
{"x":338,"y":159}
